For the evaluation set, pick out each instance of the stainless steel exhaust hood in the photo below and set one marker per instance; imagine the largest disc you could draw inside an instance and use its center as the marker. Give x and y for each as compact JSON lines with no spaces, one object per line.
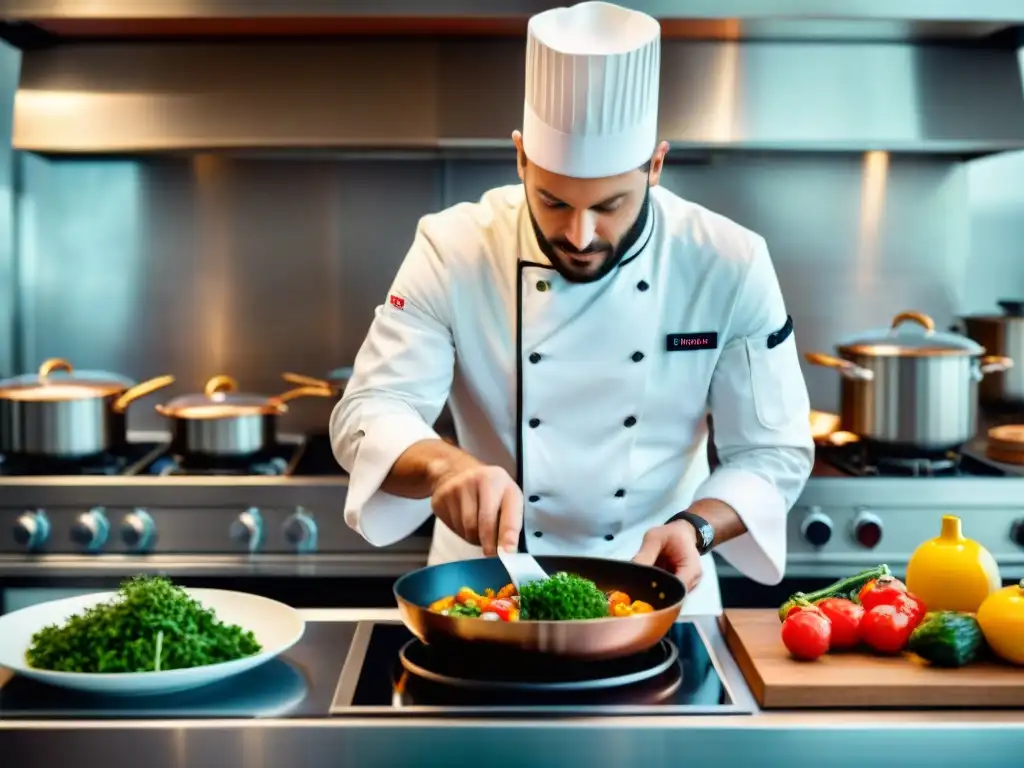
{"x":124,"y":93}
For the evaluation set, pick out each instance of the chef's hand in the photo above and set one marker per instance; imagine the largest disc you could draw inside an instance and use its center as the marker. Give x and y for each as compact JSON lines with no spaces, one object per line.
{"x":482,"y":504}
{"x":673,"y":547}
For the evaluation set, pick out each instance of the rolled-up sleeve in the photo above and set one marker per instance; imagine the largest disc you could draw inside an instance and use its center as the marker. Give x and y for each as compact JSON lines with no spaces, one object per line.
{"x":401,"y":379}
{"x":760,"y":407}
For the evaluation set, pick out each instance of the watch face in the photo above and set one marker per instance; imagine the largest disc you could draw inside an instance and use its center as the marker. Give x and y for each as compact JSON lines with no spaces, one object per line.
{"x":708,"y":535}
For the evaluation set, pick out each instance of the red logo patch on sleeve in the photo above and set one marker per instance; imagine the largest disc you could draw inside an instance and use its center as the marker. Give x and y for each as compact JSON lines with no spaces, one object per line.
{"x":397,"y":302}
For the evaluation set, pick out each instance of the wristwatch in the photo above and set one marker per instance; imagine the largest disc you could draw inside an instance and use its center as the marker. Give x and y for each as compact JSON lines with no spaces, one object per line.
{"x":705,"y":531}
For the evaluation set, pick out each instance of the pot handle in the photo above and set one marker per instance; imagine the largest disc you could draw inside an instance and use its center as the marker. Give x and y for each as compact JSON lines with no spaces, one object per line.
{"x":993,"y":364}
{"x":220,"y":383}
{"x":54,"y":364}
{"x":845,"y":367}
{"x":140,"y":390}
{"x":303,"y":380}
{"x":308,"y":391}
{"x":915,"y":317}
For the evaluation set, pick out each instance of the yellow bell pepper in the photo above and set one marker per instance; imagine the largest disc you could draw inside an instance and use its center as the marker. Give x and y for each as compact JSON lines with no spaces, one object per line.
{"x":443,"y":604}
{"x":466,"y":594}
{"x":639,"y":606}
{"x":1001,"y":618}
{"x":952,"y":573}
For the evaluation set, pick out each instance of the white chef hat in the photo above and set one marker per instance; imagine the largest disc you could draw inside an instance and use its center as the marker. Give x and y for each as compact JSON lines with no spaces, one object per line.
{"x":592,"y":75}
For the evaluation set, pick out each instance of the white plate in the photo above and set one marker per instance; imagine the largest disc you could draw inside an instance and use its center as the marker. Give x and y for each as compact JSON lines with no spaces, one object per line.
{"x":277,"y":628}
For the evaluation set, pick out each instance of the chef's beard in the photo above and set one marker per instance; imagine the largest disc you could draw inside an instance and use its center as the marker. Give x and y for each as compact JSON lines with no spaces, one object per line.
{"x":557,"y":249}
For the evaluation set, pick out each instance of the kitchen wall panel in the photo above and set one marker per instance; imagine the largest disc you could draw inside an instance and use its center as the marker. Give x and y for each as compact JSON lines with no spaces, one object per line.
{"x":10,"y":64}
{"x":995,"y":267}
{"x":203,"y":265}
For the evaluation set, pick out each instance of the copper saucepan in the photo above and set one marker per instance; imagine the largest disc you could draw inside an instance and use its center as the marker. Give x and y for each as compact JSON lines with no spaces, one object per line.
{"x":62,"y":413}
{"x":223,"y":422}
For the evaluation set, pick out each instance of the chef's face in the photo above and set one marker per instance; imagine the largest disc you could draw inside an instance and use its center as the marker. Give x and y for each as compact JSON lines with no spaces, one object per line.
{"x":585,"y":226}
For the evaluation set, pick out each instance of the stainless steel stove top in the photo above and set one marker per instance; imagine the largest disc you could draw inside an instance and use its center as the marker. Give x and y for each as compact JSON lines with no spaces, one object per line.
{"x":157,"y":512}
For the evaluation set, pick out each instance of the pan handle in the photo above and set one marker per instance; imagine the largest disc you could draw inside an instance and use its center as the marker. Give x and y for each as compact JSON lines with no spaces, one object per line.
{"x":140,"y":390}
{"x":292,"y":394}
{"x":220,"y":383}
{"x":992,"y":364}
{"x":845,"y":367}
{"x":303,"y":380}
{"x":54,"y":364}
{"x":915,"y":317}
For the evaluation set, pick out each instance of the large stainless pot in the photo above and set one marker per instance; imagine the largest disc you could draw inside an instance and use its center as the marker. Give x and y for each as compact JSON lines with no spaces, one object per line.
{"x":911,"y":387}
{"x":222,"y":422}
{"x":60,"y":413}
{"x":1001,"y":335}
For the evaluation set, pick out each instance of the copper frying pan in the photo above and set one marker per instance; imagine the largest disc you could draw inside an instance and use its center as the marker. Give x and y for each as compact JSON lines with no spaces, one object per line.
{"x":591,"y":639}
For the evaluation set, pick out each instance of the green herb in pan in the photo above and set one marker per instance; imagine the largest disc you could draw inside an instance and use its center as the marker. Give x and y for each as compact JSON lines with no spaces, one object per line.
{"x":150,"y":625}
{"x":562,"y":597}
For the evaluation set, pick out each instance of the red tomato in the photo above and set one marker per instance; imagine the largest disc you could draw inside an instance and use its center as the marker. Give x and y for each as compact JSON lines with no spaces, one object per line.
{"x":886,"y":628}
{"x":881,"y":591}
{"x":800,"y":608}
{"x":503,"y":607}
{"x":807,"y":634}
{"x":845,"y":617}
{"x":913,"y":606}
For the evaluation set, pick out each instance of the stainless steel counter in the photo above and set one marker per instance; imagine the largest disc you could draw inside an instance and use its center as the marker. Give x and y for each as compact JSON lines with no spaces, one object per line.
{"x":799,"y":738}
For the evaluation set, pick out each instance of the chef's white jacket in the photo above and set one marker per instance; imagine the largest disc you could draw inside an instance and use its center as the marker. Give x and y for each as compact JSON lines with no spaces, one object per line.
{"x":593,"y":395}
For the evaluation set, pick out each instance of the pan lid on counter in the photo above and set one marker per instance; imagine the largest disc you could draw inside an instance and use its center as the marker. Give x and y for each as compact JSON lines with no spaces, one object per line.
{"x":57,"y":380}
{"x":220,"y":399}
{"x":911,"y":334}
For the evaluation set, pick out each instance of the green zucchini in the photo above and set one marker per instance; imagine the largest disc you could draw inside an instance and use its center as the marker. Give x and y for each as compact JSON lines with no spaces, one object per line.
{"x":947,"y":639}
{"x":845,"y":588}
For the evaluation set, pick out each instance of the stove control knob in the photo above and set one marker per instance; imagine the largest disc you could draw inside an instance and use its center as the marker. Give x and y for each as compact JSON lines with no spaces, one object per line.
{"x":1017,"y":532}
{"x":247,"y":529}
{"x":867,"y":530}
{"x":32,"y":529}
{"x":816,"y":528}
{"x":138,"y":531}
{"x":91,"y":529}
{"x":300,"y":530}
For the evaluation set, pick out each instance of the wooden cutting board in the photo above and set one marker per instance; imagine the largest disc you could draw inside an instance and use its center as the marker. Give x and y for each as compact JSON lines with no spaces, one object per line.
{"x":858,"y":680}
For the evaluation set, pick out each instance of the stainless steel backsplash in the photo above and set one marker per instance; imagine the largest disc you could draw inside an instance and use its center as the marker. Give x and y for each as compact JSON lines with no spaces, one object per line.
{"x":253,"y":266}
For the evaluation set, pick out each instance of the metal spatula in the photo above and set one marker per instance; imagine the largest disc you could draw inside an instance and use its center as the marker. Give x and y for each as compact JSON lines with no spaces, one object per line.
{"x":522,"y":567}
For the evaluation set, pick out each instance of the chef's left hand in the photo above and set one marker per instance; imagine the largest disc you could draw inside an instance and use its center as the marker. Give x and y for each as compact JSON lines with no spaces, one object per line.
{"x":673,"y":547}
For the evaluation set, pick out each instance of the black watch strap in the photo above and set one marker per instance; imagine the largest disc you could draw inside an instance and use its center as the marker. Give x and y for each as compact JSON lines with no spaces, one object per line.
{"x":705,"y":531}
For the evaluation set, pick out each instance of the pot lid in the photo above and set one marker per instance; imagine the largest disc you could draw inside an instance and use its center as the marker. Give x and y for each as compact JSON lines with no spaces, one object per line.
{"x":57,"y":380}
{"x":340,"y":375}
{"x":1012,"y":309}
{"x":220,"y":399}
{"x":911,"y":334}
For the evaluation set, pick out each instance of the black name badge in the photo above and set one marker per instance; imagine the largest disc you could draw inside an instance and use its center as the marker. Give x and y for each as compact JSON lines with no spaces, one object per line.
{"x":683,"y":342}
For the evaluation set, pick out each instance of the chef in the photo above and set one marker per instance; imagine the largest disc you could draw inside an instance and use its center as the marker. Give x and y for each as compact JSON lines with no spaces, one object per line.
{"x":581,"y":326}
